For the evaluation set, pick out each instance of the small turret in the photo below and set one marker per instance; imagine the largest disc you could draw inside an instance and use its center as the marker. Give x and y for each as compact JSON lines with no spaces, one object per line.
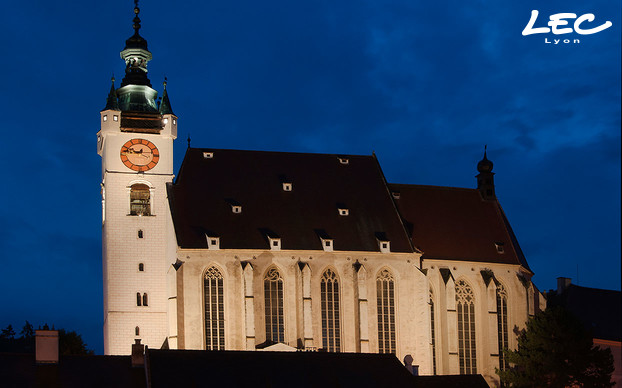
{"x":485,"y":178}
{"x":165,"y":104}
{"x":112,"y":102}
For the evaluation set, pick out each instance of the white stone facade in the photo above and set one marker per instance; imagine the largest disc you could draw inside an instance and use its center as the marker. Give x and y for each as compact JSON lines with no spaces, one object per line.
{"x":135,"y":247}
{"x":245,"y":324}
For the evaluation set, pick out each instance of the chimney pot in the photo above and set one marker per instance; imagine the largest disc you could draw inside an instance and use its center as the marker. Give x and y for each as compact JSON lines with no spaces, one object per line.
{"x":46,"y":346}
{"x":562,"y":284}
{"x":138,"y":354}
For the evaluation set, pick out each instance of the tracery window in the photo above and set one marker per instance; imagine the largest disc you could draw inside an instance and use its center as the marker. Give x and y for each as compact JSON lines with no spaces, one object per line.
{"x":432,"y":332}
{"x":385,"y":292}
{"x":329,"y":289}
{"x":214,"y":309}
{"x":273,"y":293}
{"x":140,"y":200}
{"x":502,"y":324}
{"x":465,"y":307}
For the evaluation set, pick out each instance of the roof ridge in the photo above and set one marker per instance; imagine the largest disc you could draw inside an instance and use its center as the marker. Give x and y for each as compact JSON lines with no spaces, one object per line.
{"x":278,"y":152}
{"x":432,"y":186}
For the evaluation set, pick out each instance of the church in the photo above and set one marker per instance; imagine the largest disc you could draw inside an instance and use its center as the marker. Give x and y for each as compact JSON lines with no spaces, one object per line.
{"x":256,"y":250}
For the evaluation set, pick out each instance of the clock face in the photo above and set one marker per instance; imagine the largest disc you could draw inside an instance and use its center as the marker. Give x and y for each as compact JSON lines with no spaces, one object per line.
{"x":140,"y":154}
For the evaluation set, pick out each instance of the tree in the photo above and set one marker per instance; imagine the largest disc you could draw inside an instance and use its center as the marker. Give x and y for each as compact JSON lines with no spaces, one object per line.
{"x":27,"y":331}
{"x":8,"y":333}
{"x":555,"y":350}
{"x":70,"y":342}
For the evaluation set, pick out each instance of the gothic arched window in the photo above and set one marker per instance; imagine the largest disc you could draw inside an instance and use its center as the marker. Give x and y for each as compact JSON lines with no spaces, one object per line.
{"x":385,"y":292}
{"x":273,"y":293}
{"x":465,"y":307}
{"x":329,"y":289}
{"x":432,"y":332}
{"x":140,"y":200}
{"x":214,"y":310}
{"x":502,"y":324}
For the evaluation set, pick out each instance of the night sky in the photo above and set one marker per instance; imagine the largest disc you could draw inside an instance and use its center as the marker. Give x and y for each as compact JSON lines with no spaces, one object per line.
{"x":424,"y":85}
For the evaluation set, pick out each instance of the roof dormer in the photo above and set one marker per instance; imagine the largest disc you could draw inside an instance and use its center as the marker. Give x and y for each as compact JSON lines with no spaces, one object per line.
{"x":213,"y":242}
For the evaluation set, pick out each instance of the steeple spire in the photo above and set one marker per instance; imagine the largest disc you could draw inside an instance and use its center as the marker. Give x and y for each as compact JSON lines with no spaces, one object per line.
{"x":135,"y":93}
{"x":112,"y":102}
{"x":485,"y":178}
{"x":136,"y":18}
{"x":165,"y":105}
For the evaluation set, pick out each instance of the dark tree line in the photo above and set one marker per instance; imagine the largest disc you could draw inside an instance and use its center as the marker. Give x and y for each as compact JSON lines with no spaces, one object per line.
{"x":69,"y":342}
{"x":555,"y":350}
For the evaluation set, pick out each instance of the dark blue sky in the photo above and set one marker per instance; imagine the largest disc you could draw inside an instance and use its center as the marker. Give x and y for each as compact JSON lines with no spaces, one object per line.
{"x":424,"y":85}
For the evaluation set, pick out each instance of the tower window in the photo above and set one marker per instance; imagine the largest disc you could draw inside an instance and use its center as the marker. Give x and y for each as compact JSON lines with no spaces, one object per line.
{"x":137,"y":331}
{"x":385,"y":293}
{"x":465,"y":307}
{"x":140,"y":200}
{"x":214,"y":310}
{"x":174,"y":121}
{"x":139,"y":300}
{"x":273,"y":299}
{"x":145,"y":300}
{"x":432,"y":333}
{"x":105,"y":118}
{"x":502,"y":325}
{"x":115,"y":118}
{"x":141,"y":267}
{"x":329,"y":292}
{"x":165,"y":120}
{"x":140,"y":233}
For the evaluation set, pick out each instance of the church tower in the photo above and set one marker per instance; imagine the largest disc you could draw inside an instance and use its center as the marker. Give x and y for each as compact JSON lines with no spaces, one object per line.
{"x":136,"y":146}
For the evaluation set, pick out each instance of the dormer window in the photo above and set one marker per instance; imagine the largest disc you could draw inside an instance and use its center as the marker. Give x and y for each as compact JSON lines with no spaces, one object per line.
{"x":275,"y":243}
{"x":236,"y":209}
{"x":396,"y":195}
{"x":343,"y":211}
{"x":327,"y":244}
{"x":213,"y":243}
{"x":287,"y":186}
{"x":208,"y":155}
{"x":344,"y":160}
{"x":500,"y":247}
{"x":385,"y":246}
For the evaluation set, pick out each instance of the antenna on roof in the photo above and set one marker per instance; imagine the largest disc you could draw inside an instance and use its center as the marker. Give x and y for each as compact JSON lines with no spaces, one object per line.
{"x":577,"y":274}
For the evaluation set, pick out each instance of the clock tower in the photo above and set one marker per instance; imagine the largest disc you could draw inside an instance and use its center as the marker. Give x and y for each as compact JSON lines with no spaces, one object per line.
{"x":138,"y":246}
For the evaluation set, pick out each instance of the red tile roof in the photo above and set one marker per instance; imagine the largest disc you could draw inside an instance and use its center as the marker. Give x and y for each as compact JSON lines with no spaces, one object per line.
{"x":457,"y":224}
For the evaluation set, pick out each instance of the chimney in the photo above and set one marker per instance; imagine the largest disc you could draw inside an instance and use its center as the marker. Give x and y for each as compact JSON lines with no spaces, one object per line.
{"x":138,"y":354}
{"x":46,"y":346}
{"x":562,"y":284}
